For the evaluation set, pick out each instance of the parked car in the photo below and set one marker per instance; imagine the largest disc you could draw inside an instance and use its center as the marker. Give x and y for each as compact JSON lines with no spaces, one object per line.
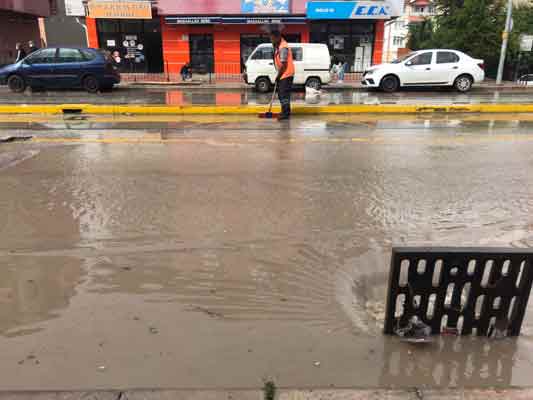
{"x":63,"y":67}
{"x":427,"y":68}
{"x":311,"y":62}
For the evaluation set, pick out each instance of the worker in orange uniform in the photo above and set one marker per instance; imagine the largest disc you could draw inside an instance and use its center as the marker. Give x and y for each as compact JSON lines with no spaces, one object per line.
{"x":285,"y":67}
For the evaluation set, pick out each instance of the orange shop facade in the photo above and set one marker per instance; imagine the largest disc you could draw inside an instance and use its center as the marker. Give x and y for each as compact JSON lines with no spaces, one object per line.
{"x":219,"y":35}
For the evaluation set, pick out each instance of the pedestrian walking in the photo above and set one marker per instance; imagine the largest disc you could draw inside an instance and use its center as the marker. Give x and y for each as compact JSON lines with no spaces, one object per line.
{"x":186,"y":72}
{"x":341,"y":69}
{"x":21,"y":53}
{"x":32,"y":47}
{"x":285,"y":67}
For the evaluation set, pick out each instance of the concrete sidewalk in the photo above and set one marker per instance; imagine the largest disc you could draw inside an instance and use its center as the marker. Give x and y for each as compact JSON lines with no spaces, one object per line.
{"x":331,"y":394}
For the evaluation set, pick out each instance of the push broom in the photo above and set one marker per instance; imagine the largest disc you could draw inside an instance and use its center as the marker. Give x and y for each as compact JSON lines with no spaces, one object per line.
{"x":269,"y":114}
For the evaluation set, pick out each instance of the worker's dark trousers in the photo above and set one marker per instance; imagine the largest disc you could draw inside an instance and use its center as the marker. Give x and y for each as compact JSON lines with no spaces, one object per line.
{"x":284,"y":93}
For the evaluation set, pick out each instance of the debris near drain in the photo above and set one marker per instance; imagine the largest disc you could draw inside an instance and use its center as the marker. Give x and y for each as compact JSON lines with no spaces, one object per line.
{"x":415,"y":332}
{"x":269,"y":390}
{"x":11,"y":139}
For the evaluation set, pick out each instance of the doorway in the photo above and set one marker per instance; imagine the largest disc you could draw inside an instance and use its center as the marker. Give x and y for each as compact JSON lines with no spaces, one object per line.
{"x":202,"y":54}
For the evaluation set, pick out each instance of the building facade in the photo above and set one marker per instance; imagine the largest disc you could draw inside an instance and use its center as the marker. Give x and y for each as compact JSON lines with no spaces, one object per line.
{"x":64,"y":29}
{"x":19,"y":22}
{"x":397,"y":31}
{"x":219,"y":35}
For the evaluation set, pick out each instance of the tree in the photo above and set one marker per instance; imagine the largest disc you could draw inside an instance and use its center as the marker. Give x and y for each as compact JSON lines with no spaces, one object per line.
{"x":420,"y":34}
{"x":471,"y":26}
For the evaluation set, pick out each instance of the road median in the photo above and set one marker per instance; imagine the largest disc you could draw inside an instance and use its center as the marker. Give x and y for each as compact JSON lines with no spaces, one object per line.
{"x":129,"y":109}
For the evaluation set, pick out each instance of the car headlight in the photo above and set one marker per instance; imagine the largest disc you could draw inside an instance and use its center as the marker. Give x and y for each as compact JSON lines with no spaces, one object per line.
{"x":370,"y":72}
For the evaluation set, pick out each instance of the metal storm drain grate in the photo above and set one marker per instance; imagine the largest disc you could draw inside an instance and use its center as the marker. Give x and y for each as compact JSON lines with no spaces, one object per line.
{"x":471,"y":291}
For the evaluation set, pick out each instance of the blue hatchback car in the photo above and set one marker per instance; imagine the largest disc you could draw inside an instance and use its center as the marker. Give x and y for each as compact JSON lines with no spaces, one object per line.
{"x":62,"y":68}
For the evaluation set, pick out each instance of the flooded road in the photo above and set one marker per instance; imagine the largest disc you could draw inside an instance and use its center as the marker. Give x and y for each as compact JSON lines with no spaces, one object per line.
{"x":164,"y":252}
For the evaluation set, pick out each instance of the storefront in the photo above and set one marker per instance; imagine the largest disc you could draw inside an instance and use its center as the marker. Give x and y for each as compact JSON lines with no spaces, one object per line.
{"x":219,"y":35}
{"x":129,"y":30}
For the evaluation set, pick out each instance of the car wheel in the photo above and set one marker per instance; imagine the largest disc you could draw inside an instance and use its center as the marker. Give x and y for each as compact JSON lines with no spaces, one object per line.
{"x":390,"y":84}
{"x":16,"y":83}
{"x":314,"y":83}
{"x":463,"y":83}
{"x":90,"y":83}
{"x":263,"y":85}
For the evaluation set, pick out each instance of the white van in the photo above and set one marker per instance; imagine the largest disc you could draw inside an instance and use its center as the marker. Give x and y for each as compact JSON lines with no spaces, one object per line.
{"x":311,"y":62}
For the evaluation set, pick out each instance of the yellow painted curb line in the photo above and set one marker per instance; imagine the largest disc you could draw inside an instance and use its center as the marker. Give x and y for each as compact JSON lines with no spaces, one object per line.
{"x":247,"y":110}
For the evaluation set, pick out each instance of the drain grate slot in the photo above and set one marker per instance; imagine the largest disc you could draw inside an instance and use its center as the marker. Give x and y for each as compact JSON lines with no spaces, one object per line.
{"x":72,"y":110}
{"x":472,"y":289}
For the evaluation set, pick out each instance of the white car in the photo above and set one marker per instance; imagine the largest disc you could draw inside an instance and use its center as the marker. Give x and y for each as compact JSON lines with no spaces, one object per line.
{"x":311,"y":64}
{"x":427,"y":68}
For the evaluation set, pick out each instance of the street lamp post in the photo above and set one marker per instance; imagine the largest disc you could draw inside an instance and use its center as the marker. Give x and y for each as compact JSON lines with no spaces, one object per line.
{"x":505,"y":41}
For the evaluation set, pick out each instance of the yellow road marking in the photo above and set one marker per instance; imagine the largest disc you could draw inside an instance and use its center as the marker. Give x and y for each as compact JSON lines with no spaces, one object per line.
{"x":254,"y":110}
{"x":153,"y":139}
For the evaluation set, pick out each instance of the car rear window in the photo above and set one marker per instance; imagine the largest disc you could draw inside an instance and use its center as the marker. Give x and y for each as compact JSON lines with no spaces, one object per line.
{"x":70,"y":56}
{"x":447,"y":57}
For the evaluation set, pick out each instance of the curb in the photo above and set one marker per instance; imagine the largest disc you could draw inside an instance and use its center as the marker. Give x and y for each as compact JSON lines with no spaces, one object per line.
{"x":247,"y":110}
{"x":346,"y":394}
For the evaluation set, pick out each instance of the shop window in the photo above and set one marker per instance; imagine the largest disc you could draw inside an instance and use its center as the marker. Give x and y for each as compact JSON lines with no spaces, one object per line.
{"x":132,"y":26}
{"x":108,"y":26}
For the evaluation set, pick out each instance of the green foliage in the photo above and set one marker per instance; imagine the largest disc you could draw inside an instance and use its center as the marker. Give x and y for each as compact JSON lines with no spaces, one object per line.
{"x":471,"y":26}
{"x":420,"y":35}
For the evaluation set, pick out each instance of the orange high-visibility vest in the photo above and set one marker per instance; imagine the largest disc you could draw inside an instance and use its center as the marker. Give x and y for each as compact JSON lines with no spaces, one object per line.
{"x":290,"y":62}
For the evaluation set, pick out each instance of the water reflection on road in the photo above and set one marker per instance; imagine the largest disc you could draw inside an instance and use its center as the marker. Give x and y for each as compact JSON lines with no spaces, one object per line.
{"x":220,"y":251}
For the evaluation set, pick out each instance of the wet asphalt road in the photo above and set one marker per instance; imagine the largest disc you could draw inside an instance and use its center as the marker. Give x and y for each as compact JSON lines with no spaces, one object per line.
{"x":164,"y":252}
{"x":201,"y":96}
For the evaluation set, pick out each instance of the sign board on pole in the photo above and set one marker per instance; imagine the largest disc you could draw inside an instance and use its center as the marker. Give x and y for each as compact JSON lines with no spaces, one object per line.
{"x":120,"y":9}
{"x":526,"y":43}
{"x":74,"y":8}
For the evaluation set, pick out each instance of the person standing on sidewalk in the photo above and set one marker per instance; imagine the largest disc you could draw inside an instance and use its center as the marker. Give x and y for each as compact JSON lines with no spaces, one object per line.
{"x":285,"y":67}
{"x":32,"y":47}
{"x":21,"y":54}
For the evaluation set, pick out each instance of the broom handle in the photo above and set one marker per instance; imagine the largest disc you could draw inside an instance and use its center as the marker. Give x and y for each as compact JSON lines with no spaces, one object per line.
{"x":273,"y":95}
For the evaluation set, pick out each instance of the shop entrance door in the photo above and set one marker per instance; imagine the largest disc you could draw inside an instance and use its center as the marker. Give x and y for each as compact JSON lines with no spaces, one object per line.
{"x":202,"y":53}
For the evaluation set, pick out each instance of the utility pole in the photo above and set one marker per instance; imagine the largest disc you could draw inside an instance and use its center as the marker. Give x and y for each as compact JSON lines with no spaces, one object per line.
{"x":505,"y":41}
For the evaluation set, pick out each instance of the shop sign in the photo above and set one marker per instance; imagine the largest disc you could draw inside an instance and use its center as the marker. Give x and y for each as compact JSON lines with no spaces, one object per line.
{"x":192,"y":20}
{"x":351,"y":10}
{"x":526,"y":43}
{"x":234,"y":20}
{"x":261,"y":20}
{"x":120,"y":9}
{"x":265,"y":6}
{"x":74,"y":8}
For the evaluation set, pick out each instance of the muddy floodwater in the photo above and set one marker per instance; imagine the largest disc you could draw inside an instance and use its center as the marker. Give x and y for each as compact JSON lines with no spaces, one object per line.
{"x":217,"y":253}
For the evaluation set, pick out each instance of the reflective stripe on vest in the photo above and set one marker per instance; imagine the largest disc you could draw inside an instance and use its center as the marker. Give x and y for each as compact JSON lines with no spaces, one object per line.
{"x":290,"y":62}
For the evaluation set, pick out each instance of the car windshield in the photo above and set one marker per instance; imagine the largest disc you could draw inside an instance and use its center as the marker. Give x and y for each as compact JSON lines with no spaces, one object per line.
{"x":403,"y":58}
